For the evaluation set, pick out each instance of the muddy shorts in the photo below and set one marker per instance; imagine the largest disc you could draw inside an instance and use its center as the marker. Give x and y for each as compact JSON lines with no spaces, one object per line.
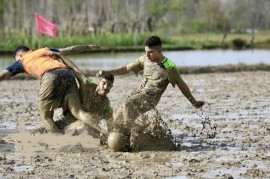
{"x":54,"y":86}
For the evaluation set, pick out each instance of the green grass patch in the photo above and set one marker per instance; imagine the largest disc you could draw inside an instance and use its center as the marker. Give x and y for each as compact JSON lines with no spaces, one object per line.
{"x":131,"y":42}
{"x":108,"y":41}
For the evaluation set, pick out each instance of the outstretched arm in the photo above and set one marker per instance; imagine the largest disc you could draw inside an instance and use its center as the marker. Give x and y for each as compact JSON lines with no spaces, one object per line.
{"x":119,"y":71}
{"x":77,"y":49}
{"x":72,"y":65}
{"x":185,"y":90}
{"x":135,"y":66}
{"x":5,"y":74}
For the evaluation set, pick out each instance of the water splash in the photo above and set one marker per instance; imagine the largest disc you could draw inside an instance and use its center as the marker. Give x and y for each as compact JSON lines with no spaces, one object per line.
{"x":209,"y":129}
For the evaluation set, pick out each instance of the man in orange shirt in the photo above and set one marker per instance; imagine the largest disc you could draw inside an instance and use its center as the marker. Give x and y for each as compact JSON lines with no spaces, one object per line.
{"x":56,"y":82}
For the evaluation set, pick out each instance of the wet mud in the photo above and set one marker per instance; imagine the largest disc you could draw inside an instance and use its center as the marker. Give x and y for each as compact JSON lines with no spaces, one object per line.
{"x":228,"y":137}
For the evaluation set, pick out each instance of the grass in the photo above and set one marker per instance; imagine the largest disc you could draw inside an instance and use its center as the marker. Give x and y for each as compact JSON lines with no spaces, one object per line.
{"x":108,"y":41}
{"x":131,"y":42}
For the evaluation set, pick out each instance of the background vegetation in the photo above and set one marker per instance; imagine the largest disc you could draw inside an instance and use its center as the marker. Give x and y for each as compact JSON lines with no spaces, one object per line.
{"x":124,"y":24}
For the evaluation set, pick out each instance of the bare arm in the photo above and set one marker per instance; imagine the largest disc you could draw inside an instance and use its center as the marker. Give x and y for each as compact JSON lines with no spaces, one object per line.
{"x":5,"y":74}
{"x":186,"y":91}
{"x":77,"y":49}
{"x":72,"y":65}
{"x":119,"y":71}
{"x":94,"y":124}
{"x":68,"y":62}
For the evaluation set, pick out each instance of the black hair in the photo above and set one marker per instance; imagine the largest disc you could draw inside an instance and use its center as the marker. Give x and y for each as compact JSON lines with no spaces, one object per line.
{"x":109,"y":77}
{"x":153,"y":41}
{"x":21,"y":48}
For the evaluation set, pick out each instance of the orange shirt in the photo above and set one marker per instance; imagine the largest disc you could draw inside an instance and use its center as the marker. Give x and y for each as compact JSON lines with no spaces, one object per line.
{"x":37,"y":62}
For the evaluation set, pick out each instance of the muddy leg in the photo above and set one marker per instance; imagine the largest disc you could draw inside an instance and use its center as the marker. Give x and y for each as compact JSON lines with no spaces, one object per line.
{"x":47,"y":118}
{"x":75,"y":108}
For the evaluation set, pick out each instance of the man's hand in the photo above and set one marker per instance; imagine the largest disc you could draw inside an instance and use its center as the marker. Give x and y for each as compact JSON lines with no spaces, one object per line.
{"x":100,"y":73}
{"x":103,"y":138}
{"x":93,"y":124}
{"x":198,"y":104}
{"x":94,"y":46}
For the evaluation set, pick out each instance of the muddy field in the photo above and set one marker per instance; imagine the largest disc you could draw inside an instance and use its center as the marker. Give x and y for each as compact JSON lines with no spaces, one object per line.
{"x":229,"y":137}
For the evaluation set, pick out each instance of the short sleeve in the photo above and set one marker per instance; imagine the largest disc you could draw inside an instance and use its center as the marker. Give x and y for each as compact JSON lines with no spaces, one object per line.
{"x":86,"y":86}
{"x":87,"y":80}
{"x":137,"y":65}
{"x":173,"y":73}
{"x":15,"y":68}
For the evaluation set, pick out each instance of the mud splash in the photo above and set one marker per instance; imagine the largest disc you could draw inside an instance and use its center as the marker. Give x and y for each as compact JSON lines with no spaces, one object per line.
{"x":152,"y":133}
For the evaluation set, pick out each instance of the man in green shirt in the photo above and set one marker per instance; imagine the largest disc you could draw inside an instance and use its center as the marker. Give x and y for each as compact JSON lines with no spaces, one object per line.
{"x":158,"y":72}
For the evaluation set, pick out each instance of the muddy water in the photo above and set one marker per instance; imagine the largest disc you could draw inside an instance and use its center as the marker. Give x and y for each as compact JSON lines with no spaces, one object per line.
{"x":237,"y":113}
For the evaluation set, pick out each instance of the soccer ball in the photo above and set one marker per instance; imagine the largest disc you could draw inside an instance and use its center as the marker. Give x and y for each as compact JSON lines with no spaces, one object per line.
{"x":117,"y":141}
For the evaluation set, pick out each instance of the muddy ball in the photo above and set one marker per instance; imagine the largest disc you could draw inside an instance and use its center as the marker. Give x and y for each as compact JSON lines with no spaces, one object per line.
{"x":117,"y":141}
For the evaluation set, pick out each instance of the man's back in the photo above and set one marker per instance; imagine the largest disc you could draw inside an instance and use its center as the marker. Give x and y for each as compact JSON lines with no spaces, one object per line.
{"x":37,"y":62}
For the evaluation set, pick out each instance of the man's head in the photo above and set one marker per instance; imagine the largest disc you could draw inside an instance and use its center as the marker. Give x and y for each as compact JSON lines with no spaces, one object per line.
{"x":20,"y":51}
{"x":105,"y":84}
{"x":153,"y":49}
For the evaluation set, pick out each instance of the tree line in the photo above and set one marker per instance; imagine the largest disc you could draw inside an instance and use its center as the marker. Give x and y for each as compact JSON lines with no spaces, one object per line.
{"x":170,"y":17}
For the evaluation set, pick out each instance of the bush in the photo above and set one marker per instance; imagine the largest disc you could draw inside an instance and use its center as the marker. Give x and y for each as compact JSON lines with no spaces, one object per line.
{"x":239,"y":43}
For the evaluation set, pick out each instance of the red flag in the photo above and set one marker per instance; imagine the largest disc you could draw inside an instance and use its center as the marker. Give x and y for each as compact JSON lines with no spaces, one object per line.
{"x":45,"y":27}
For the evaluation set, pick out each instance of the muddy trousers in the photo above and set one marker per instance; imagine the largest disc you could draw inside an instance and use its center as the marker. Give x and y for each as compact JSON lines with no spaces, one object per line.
{"x":54,"y":86}
{"x":134,"y":105}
